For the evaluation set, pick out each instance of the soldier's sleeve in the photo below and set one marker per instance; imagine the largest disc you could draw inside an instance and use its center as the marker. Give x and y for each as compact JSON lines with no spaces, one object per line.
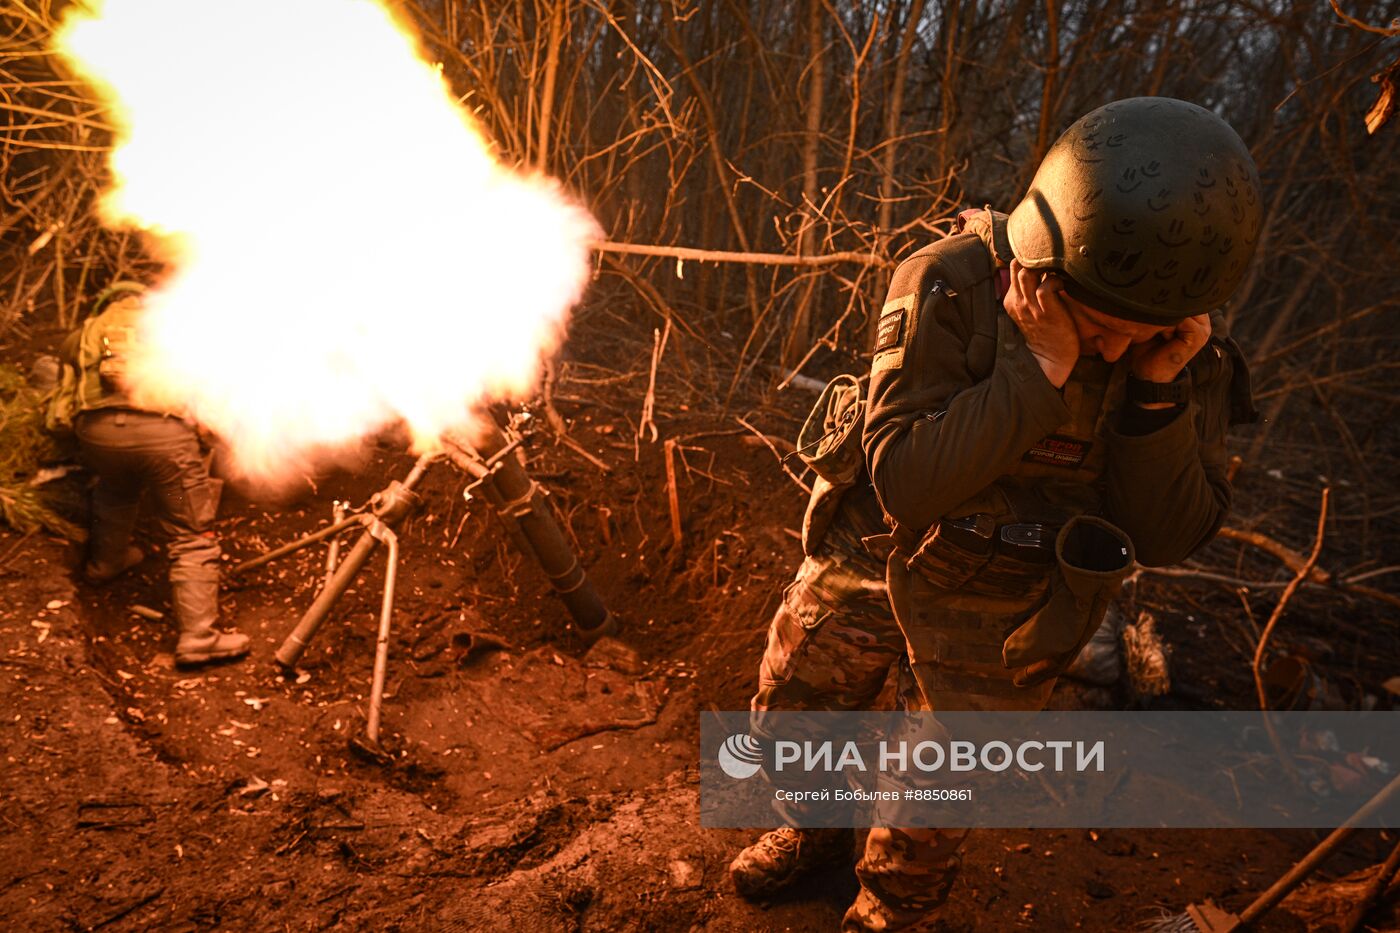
{"x":1167,"y":488}
{"x":934,"y":434}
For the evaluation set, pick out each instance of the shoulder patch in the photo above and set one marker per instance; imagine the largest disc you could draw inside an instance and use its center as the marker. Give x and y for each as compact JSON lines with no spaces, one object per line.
{"x":892,"y":334}
{"x":891,"y":330}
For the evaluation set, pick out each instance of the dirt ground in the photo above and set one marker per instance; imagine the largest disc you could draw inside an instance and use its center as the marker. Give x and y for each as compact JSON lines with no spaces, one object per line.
{"x":538,"y":787}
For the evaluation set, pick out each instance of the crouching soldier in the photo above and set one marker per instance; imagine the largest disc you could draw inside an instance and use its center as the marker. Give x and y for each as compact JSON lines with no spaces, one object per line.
{"x":131,"y":450}
{"x":1048,"y":402}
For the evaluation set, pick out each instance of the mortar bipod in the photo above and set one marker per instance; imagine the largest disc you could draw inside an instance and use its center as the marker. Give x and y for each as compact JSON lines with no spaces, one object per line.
{"x":390,"y":507}
{"x":381,"y":532}
{"x":387,"y":509}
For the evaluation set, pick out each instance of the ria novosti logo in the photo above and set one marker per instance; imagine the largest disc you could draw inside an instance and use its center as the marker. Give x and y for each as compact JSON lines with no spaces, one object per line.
{"x":740,"y":756}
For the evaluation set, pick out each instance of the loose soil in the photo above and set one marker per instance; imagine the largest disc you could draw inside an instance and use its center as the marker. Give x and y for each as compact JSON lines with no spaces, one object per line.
{"x":542,"y":786}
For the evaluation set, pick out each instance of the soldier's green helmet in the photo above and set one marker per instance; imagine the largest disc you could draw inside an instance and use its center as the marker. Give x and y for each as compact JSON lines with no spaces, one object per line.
{"x":114,"y":292}
{"x":1149,"y":206}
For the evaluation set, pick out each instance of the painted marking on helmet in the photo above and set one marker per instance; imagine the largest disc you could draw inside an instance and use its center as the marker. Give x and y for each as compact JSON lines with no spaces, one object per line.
{"x":1200,"y":284}
{"x":1088,"y":207}
{"x":1117,"y":267}
{"x":1174,"y":230}
{"x":1131,"y":180}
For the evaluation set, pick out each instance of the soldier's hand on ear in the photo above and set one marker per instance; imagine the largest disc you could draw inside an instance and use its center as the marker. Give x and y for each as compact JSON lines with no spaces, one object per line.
{"x":1162,"y":359}
{"x":1034,"y":304}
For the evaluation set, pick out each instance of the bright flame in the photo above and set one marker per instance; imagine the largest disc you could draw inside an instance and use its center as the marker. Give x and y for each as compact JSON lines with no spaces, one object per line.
{"x":346,"y":251}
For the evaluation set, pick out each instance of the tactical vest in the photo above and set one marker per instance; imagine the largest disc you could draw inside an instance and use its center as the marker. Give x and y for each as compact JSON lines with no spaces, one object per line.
{"x":95,"y":365}
{"x":990,"y":627}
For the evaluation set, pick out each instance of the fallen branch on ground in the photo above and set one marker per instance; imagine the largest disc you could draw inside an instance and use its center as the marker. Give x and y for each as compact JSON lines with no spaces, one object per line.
{"x":1290,"y":558}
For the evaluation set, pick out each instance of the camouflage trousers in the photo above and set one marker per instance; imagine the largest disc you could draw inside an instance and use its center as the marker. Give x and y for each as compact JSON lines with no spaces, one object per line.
{"x":831,"y":645}
{"x":134,"y":452}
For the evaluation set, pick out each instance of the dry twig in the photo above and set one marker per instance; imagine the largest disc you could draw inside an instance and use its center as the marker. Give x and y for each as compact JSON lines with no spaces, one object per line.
{"x":647,"y":424}
{"x":1280,"y":750}
{"x":1298,"y":578}
{"x":673,"y":498}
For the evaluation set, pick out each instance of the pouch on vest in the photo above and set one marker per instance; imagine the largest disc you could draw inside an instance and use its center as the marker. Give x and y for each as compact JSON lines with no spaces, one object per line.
{"x":62,"y":407}
{"x":116,"y":345}
{"x":955,"y":550}
{"x":1093,"y":558}
{"x":829,"y":443}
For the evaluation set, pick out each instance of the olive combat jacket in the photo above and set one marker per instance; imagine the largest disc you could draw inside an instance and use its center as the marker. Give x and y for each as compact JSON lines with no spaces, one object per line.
{"x":943,"y":440}
{"x":961,"y":423}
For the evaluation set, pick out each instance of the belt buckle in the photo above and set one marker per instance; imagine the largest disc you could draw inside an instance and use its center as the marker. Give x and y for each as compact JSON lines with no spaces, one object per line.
{"x":1031,"y":542}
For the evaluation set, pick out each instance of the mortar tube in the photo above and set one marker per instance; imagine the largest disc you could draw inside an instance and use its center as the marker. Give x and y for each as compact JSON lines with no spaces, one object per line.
{"x":489,"y":493}
{"x":521,"y":502}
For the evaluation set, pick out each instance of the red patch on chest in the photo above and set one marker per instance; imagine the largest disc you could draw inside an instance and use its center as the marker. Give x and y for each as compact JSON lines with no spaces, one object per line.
{"x":1059,"y":450}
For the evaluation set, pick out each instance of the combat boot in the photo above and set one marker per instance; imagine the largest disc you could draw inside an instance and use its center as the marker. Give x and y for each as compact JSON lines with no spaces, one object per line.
{"x":104,"y":568}
{"x":870,"y":915}
{"x":110,"y":552}
{"x":785,"y":855}
{"x":194,"y":593}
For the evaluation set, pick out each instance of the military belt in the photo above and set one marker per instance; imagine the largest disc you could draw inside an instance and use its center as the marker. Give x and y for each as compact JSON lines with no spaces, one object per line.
{"x":1033,"y":542}
{"x":975,"y":551}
